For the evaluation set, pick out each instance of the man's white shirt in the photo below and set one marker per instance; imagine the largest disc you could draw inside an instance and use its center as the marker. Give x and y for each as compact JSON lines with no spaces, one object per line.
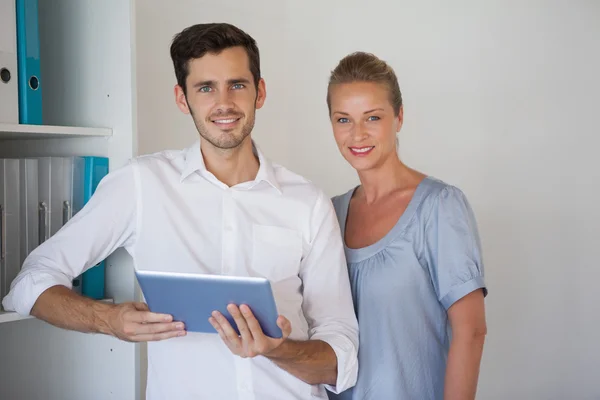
{"x":171,"y":214}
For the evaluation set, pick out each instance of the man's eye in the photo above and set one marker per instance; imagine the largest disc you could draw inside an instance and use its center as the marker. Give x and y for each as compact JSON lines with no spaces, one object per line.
{"x":238,"y":86}
{"x":204,"y":89}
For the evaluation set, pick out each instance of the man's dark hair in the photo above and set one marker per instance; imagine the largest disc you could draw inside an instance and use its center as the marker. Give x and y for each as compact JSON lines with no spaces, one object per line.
{"x":198,"y":40}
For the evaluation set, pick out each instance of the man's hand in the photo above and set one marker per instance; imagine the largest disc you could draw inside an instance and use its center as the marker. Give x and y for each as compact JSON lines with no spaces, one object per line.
{"x":251,"y":341}
{"x":133,"y":322}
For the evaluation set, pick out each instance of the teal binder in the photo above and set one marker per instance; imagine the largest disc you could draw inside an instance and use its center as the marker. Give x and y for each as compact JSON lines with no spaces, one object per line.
{"x":28,"y":61}
{"x":93,"y":280}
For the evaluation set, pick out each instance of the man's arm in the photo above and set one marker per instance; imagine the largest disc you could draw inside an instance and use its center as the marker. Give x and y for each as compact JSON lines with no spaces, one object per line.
{"x":42,"y":287}
{"x":330,"y":355}
{"x":132,"y":322}
{"x":327,"y":299}
{"x":467,"y":318}
{"x":312,"y":361}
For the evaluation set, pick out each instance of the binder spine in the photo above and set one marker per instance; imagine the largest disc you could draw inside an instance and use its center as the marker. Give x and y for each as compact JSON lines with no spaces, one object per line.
{"x":28,"y":60}
{"x":94,"y":278}
{"x":11,"y":235}
{"x":9,"y":86}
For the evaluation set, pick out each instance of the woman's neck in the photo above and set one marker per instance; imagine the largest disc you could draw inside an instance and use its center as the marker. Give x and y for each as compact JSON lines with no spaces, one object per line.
{"x":391,"y":176}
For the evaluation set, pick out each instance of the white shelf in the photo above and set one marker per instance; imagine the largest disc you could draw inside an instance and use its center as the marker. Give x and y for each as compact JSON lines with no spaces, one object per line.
{"x":21,"y":131}
{"x":10,"y":316}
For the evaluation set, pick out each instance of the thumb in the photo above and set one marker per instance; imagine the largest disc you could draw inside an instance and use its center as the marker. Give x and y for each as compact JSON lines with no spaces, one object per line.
{"x":284,"y":324}
{"x":140,"y":306}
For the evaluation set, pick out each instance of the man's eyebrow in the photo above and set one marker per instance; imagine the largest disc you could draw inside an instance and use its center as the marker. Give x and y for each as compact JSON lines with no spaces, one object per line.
{"x":229,"y":82}
{"x":204,"y":83}
{"x":238,"y":80}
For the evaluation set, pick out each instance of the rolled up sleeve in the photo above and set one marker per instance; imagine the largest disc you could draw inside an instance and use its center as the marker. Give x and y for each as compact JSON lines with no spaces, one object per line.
{"x":105,"y":223}
{"x":453,"y":248}
{"x":328,"y":304}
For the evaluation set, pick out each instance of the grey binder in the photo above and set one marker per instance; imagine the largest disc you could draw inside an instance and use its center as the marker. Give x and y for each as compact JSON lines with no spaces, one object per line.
{"x":66,"y":197}
{"x":61,"y":193}
{"x":67,"y":190}
{"x":10,"y":250}
{"x":47,"y":180}
{"x":29,"y":206}
{"x":78,"y":181}
{"x":9,"y":89}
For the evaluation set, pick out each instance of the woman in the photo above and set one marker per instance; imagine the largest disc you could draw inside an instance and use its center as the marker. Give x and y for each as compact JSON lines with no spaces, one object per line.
{"x":413,"y":251}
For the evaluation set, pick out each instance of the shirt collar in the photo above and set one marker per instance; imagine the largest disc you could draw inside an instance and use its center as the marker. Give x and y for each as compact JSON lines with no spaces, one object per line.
{"x":194,"y":162}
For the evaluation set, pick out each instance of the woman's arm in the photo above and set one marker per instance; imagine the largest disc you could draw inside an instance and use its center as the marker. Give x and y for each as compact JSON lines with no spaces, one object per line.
{"x":467,"y":318}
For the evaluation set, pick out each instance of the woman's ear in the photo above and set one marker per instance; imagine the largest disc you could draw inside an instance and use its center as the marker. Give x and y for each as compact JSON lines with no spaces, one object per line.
{"x":399,"y":119}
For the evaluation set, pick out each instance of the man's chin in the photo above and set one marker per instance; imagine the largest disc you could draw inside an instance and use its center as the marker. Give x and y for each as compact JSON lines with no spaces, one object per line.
{"x":225,"y":141}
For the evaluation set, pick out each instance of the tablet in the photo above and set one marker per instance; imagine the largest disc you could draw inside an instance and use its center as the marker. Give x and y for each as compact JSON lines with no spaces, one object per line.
{"x":191,"y":298}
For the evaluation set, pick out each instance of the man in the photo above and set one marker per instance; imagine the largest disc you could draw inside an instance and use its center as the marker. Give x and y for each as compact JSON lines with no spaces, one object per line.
{"x":217,"y":207}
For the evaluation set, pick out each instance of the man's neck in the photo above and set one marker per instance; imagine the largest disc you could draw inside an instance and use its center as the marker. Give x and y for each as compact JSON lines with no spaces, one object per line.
{"x":231,"y":166}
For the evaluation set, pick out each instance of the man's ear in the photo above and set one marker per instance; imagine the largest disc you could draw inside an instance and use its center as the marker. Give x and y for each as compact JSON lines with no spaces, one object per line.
{"x":261,"y":93}
{"x":181,"y":100}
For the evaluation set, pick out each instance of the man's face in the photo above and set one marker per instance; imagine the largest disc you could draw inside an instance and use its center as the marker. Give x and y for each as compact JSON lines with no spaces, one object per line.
{"x":222,"y":97}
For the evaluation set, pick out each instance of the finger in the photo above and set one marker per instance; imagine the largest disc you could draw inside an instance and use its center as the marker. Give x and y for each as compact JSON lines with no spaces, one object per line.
{"x":252,"y":322}
{"x":217,"y":327}
{"x":235,"y":349}
{"x":158,"y":336}
{"x":147,"y":317}
{"x":228,"y":331}
{"x":161,"y":327}
{"x":240,"y":321}
{"x":285,"y":325}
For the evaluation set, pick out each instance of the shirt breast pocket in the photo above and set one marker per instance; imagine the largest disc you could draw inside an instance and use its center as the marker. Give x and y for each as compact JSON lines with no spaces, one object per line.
{"x":276,"y":252}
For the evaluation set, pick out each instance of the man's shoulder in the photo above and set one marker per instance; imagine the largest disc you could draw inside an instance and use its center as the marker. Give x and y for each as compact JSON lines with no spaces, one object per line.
{"x":159,"y":163}
{"x":159,"y":158}
{"x":295,"y":184}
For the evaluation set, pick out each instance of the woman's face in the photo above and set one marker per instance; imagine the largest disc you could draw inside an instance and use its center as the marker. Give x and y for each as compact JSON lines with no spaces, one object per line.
{"x":364,"y":124}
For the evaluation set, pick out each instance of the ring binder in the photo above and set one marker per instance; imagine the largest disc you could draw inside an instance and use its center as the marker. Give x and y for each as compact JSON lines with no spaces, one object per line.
{"x":43,"y":222}
{"x":9,"y":88}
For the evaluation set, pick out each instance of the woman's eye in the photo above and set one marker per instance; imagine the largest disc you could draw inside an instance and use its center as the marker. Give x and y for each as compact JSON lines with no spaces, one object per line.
{"x":373,"y":118}
{"x":343,"y":120}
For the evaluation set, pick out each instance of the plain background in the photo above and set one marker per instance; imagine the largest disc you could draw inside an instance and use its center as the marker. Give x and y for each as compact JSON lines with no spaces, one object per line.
{"x":501,"y":100}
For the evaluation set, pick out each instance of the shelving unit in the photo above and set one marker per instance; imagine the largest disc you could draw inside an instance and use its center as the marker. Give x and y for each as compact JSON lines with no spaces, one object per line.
{"x":17,"y":131}
{"x":88,"y":83}
{"x":8,"y":316}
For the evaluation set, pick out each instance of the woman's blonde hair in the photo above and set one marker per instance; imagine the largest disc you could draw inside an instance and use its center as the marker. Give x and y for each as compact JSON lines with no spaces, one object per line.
{"x":366,"y":67}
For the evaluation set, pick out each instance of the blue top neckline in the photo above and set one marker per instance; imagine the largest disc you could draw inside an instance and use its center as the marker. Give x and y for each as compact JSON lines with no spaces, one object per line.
{"x":354,"y":255}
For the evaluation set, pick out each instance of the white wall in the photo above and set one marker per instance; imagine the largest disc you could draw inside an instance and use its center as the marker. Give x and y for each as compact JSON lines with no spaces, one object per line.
{"x":161,"y":123}
{"x":501,"y":99}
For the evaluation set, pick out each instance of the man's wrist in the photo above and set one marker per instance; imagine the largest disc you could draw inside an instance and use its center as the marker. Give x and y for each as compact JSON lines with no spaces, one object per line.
{"x":102,"y":317}
{"x":279,"y":352}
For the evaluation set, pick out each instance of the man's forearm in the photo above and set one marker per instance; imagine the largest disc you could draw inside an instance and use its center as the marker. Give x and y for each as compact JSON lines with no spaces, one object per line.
{"x":462,"y":371}
{"x":66,"y":309}
{"x":312,"y":361}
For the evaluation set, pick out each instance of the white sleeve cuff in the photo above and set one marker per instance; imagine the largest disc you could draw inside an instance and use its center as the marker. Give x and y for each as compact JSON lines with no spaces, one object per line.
{"x":347,"y":360}
{"x":26,"y":290}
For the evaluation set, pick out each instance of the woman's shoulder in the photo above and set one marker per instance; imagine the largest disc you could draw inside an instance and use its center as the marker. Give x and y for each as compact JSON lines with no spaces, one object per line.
{"x":436,"y":192}
{"x":434,"y":187}
{"x":341,"y":200}
{"x":442,"y":198}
